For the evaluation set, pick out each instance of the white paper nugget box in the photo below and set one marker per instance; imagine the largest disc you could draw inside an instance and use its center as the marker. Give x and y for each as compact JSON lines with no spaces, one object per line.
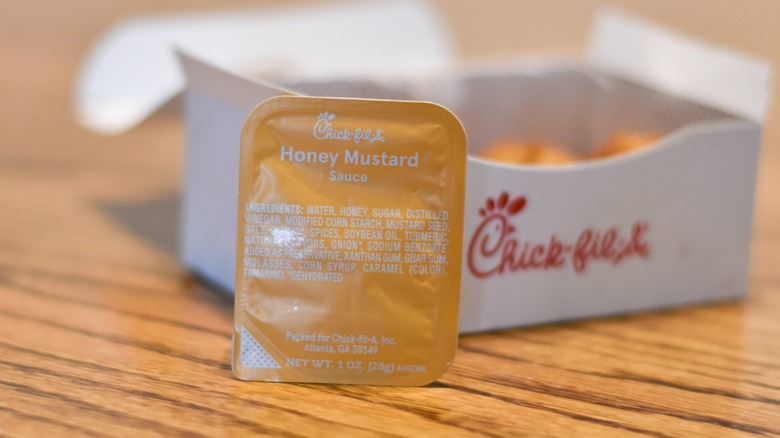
{"x":667,"y":226}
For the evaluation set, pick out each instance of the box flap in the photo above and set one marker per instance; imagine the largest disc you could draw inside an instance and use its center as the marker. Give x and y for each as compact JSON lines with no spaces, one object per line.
{"x":640,"y":51}
{"x":132,"y":71}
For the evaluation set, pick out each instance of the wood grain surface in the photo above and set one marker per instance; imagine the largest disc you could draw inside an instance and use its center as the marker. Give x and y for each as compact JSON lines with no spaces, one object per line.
{"x":103,"y":333}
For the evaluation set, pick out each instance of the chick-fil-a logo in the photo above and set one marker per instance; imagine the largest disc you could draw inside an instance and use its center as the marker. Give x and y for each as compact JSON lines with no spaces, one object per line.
{"x":324,"y":130}
{"x":496,"y":247}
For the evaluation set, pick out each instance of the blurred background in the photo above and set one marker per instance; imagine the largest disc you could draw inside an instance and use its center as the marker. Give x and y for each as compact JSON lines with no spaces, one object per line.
{"x":62,"y":32}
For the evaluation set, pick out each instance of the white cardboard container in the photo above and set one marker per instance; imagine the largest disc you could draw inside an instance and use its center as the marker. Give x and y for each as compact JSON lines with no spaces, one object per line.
{"x":667,"y":226}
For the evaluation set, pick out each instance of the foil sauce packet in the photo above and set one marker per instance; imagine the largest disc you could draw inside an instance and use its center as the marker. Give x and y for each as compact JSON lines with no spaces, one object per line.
{"x":350,"y":230}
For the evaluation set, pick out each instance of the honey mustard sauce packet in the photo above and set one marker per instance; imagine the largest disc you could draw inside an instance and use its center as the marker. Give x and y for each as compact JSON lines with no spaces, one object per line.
{"x":350,"y":226}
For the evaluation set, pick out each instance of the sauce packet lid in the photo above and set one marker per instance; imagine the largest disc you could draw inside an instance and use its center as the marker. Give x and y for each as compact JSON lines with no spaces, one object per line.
{"x":350,"y":229}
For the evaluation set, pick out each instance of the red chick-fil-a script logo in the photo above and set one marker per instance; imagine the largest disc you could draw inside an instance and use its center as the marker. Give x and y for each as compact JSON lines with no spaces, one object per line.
{"x":496,"y":246}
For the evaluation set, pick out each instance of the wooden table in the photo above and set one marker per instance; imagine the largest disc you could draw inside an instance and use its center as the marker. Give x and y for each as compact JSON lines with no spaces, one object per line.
{"x":102,"y":332}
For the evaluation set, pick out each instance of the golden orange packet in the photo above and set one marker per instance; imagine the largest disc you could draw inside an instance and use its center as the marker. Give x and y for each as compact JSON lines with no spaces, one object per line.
{"x":350,"y":226}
